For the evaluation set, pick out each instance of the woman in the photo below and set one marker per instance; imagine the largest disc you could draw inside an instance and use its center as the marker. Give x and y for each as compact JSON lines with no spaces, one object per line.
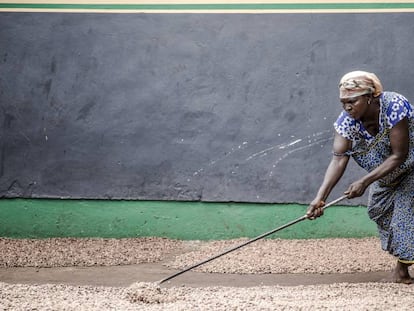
{"x":376,"y":128}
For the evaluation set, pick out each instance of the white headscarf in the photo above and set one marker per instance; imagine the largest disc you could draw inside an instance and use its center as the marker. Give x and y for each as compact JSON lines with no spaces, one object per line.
{"x":357,"y":83}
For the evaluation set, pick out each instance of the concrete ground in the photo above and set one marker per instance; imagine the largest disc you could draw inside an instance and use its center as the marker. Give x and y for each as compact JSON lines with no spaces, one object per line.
{"x":153,"y":272}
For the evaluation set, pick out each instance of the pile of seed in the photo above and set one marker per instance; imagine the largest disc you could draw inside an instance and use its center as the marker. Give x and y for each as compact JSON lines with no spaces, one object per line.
{"x":151,"y":293}
{"x":344,"y":296}
{"x":65,"y":252}
{"x":289,"y":256}
{"x":263,"y":256}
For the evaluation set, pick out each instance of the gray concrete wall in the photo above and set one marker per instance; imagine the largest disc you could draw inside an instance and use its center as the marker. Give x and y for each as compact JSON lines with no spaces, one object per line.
{"x":212,"y":107}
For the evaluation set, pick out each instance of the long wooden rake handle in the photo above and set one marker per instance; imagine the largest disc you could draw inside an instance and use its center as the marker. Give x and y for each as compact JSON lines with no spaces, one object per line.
{"x":249,"y":241}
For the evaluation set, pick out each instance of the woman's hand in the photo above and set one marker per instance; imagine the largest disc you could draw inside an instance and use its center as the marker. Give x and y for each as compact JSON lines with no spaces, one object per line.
{"x":356,"y":189}
{"x":315,"y":209}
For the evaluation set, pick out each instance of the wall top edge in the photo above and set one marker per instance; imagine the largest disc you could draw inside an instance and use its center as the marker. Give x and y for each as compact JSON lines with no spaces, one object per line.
{"x":321,"y":6}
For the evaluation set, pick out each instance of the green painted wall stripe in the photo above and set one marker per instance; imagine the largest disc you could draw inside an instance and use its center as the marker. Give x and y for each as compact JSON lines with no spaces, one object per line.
{"x":214,"y":6}
{"x":44,"y":218}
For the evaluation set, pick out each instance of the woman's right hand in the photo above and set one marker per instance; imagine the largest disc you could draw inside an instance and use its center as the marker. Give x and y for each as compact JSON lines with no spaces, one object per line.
{"x":315,"y":209}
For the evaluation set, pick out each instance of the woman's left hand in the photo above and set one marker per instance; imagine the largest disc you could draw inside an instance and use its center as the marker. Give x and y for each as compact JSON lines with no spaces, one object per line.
{"x":356,"y":189}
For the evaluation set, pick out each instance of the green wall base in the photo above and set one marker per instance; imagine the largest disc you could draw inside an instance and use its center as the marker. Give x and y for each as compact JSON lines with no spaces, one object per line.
{"x":45,"y":218}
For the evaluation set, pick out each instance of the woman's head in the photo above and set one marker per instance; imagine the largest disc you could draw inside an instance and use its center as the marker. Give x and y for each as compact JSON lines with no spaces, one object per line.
{"x":357,"y":83}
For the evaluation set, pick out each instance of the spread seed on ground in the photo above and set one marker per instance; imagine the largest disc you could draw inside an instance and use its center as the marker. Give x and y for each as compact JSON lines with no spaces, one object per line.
{"x":151,"y":293}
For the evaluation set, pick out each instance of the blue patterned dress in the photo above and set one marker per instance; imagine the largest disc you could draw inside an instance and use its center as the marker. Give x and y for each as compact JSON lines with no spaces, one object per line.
{"x":391,"y":198}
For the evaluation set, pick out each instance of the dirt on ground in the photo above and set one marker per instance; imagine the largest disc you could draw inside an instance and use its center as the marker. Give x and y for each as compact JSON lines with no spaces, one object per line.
{"x":84,"y":274}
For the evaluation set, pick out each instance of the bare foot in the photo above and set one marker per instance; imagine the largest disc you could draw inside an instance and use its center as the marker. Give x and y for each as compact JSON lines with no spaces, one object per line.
{"x":400,"y":275}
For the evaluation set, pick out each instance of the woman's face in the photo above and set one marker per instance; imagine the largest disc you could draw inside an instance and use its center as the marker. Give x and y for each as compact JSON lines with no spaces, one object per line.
{"x":355,"y":106}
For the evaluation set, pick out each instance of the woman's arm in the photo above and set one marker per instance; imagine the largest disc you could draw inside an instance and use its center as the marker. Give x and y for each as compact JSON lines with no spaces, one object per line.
{"x":399,"y":137}
{"x":333,"y":174}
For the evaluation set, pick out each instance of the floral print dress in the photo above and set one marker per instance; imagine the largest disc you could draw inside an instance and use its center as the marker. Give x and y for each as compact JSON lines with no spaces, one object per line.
{"x":391,"y":198}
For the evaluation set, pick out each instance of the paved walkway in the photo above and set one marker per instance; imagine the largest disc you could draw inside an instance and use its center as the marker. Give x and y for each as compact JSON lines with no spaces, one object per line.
{"x":152,"y":272}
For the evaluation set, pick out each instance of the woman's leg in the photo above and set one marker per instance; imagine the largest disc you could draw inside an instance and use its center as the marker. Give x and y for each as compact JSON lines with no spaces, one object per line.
{"x":392,"y":210}
{"x":401,"y":274}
